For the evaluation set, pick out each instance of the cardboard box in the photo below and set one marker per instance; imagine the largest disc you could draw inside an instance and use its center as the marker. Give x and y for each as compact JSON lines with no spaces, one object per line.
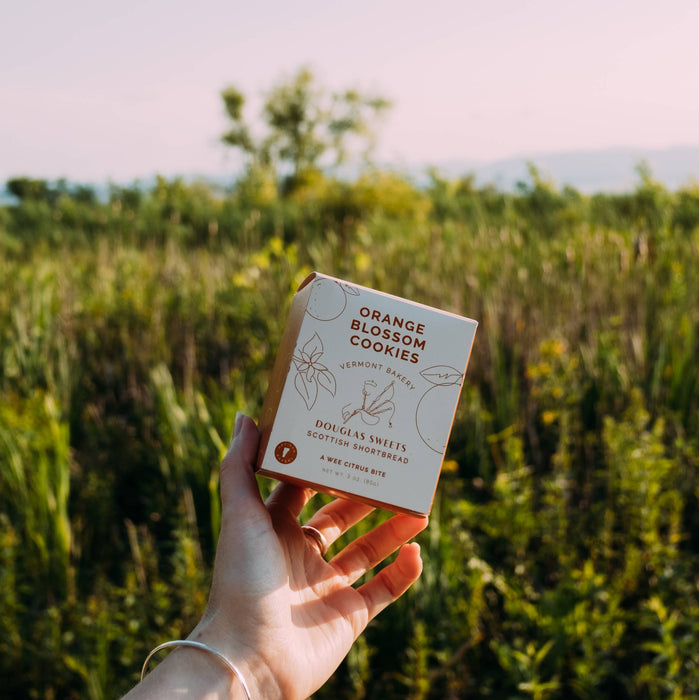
{"x":363,"y":394}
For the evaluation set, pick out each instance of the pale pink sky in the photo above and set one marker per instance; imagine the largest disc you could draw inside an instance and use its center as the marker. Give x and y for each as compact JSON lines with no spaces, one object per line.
{"x":92,"y":91}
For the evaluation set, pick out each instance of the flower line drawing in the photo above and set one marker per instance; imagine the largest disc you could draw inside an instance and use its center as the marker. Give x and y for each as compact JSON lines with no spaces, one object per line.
{"x":372,"y":409}
{"x":311,"y":373}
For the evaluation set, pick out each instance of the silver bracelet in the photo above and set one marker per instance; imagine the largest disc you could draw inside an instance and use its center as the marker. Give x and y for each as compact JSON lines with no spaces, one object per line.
{"x":199,"y":645}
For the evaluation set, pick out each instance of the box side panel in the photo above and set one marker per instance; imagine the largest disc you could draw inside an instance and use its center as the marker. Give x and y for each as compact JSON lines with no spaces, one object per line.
{"x":282,"y":363}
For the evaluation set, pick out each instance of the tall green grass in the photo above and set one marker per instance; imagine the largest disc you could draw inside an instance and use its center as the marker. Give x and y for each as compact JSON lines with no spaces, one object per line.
{"x":561,"y":558}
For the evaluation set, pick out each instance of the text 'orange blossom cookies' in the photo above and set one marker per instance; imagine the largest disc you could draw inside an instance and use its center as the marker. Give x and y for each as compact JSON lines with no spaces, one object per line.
{"x":363,"y":394}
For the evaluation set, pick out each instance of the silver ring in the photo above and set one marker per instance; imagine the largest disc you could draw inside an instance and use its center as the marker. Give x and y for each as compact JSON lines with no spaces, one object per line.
{"x":318,"y":538}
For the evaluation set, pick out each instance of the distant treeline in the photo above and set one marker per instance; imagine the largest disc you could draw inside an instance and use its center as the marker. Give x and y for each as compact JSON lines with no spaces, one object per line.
{"x":201,"y":213}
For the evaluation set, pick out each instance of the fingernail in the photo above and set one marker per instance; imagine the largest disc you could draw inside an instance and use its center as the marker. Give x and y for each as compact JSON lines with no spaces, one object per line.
{"x":238,"y":424}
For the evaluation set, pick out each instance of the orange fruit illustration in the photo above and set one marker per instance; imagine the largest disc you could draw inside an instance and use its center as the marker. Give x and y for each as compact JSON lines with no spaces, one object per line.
{"x":328,"y":300}
{"x":433,"y":414}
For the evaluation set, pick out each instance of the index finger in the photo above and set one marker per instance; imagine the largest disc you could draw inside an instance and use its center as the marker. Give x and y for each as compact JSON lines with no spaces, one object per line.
{"x":289,"y":498}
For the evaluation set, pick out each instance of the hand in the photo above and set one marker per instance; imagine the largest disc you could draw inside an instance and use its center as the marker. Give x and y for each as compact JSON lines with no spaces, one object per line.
{"x":277,"y":609}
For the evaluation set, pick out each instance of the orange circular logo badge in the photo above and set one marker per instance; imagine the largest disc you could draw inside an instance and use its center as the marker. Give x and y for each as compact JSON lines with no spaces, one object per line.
{"x":285,"y":452}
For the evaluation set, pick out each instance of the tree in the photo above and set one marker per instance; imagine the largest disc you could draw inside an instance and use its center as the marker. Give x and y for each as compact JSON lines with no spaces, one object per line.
{"x":306,"y":127}
{"x":28,"y":189}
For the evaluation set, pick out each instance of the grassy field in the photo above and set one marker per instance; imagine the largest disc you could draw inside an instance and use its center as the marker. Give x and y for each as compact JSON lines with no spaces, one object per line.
{"x":562,"y":556}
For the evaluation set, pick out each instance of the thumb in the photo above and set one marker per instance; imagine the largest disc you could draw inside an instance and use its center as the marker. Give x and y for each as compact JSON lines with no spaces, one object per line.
{"x":238,"y":483}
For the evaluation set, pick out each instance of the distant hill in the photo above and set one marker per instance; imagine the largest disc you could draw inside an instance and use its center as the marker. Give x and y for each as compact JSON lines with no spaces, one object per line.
{"x":606,"y":170}
{"x":588,"y":171}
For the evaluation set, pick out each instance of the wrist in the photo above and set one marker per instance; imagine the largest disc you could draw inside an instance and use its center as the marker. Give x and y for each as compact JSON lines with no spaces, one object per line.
{"x":256,"y":673}
{"x":187,"y":673}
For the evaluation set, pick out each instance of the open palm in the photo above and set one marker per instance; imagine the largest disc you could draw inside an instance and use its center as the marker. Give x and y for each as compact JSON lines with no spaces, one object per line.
{"x":275,"y":601}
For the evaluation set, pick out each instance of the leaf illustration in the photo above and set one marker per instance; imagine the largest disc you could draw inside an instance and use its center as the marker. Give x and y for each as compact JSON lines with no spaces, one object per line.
{"x":313,"y":347}
{"x":442,"y":375}
{"x":307,"y":390}
{"x":350,"y":290}
{"x":311,"y":372}
{"x":326,"y":379}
